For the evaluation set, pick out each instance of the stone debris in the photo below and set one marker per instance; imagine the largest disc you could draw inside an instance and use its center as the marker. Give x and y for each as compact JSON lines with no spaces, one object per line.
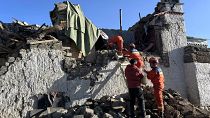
{"x":18,"y":35}
{"x":118,"y":107}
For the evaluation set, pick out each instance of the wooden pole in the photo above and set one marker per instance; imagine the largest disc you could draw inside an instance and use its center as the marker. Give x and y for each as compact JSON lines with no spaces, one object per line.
{"x":139,"y":16}
{"x":120,"y":20}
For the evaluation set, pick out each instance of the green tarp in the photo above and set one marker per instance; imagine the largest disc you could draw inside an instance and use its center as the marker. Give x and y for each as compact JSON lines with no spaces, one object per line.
{"x":81,"y":30}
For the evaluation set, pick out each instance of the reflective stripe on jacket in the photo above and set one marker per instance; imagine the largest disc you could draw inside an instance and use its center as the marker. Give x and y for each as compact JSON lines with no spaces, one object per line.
{"x":157,"y":78}
{"x":134,"y":54}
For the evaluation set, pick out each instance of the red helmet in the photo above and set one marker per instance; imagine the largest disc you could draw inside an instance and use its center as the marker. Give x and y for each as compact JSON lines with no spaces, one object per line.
{"x":153,"y":60}
{"x":132,"y":45}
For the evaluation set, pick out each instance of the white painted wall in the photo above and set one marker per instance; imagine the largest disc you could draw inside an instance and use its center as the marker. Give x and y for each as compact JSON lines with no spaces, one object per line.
{"x":191,"y":83}
{"x":198,"y":82}
{"x":174,"y":75}
{"x":174,"y":40}
{"x":173,"y":35}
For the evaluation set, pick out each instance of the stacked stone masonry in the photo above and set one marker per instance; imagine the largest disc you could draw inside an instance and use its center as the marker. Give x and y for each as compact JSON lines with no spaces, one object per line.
{"x":196,"y":54}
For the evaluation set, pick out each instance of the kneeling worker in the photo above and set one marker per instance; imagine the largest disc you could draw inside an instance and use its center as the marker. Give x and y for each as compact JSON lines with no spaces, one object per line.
{"x":118,"y":40}
{"x":133,"y":53}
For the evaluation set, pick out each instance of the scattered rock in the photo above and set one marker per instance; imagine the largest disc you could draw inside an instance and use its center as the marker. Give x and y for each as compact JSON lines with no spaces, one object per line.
{"x":11,"y":59}
{"x":3,"y":70}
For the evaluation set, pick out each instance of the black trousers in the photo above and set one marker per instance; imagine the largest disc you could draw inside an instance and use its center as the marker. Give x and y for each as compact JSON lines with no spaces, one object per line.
{"x":137,"y":93}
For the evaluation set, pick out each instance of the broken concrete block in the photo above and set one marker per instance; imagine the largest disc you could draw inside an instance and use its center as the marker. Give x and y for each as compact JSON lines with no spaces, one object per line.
{"x":35,"y":113}
{"x":57,"y":45}
{"x":7,"y":64}
{"x":44,"y":114}
{"x":105,"y":98}
{"x":3,"y":70}
{"x":69,"y":54}
{"x":107,"y":115}
{"x":78,"y":116}
{"x":118,"y":105}
{"x":11,"y":59}
{"x":89,"y":113}
{"x":70,"y":113}
{"x":57,"y":109}
{"x":95,"y":116}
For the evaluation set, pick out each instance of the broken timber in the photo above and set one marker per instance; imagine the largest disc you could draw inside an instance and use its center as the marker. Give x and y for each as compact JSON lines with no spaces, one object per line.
{"x":38,"y":42}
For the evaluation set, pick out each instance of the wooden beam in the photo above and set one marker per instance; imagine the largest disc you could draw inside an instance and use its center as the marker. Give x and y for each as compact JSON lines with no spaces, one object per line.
{"x":38,"y":42}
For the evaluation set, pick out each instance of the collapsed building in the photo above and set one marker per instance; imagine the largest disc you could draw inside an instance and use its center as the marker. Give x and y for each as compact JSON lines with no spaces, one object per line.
{"x":42,"y":59}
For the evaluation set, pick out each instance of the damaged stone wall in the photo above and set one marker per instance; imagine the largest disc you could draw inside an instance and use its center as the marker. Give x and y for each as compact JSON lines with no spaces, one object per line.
{"x":94,"y":80}
{"x":41,"y":69}
{"x":197,"y":69}
{"x":34,"y":72}
{"x":174,"y":40}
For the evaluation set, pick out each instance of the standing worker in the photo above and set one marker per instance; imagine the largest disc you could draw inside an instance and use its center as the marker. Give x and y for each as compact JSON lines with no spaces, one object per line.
{"x":133,"y":76}
{"x":118,"y":40}
{"x":133,"y":53}
{"x":157,"y":78}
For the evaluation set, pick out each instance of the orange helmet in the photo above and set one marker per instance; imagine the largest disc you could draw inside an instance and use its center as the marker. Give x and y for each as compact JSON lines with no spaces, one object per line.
{"x":153,"y":60}
{"x":132,"y":45}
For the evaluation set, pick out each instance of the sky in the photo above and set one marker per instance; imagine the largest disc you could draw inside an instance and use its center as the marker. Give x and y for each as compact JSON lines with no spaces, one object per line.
{"x":105,"y":13}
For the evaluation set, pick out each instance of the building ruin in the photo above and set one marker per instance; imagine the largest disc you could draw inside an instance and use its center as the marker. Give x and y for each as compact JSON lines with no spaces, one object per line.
{"x":35,"y":60}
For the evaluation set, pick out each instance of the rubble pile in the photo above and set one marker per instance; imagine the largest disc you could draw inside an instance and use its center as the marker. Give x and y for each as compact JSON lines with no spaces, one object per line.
{"x":91,"y":71}
{"x":17,"y":35}
{"x":118,"y":107}
{"x":175,"y":106}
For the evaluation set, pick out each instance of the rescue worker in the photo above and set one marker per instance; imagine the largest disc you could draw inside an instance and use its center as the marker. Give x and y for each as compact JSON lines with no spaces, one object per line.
{"x":118,"y":40}
{"x":133,"y":53}
{"x":157,"y":78}
{"x":133,"y":76}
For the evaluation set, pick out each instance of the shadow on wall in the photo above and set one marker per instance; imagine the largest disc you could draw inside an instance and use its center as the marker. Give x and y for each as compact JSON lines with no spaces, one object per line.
{"x":81,"y":89}
{"x":102,"y":84}
{"x":174,"y":72}
{"x":77,"y":90}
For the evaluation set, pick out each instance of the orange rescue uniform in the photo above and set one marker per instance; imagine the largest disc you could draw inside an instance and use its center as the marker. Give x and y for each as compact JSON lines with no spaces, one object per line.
{"x":157,"y":78}
{"x":116,"y":40}
{"x":134,"y":54}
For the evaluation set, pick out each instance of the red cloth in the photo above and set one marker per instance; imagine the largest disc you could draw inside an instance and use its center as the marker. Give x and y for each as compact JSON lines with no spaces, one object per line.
{"x":133,"y":76}
{"x":116,"y":40}
{"x":157,"y":78}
